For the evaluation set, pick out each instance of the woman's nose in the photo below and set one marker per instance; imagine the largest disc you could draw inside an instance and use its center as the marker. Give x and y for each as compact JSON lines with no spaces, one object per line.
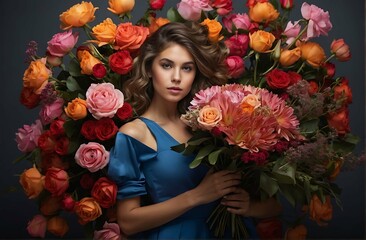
{"x":176,"y":75}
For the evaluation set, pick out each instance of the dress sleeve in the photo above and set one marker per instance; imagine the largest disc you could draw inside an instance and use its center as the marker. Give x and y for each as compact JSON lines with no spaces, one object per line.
{"x":124,"y":168}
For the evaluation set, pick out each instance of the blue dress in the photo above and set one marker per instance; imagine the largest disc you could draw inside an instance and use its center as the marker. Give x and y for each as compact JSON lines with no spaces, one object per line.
{"x":139,"y":170}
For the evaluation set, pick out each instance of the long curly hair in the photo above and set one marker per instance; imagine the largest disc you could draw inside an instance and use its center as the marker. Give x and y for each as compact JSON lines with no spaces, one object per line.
{"x":208,"y":57}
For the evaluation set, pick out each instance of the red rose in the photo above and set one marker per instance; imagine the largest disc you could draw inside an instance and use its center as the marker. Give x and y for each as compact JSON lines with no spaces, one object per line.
{"x":121,"y":62}
{"x":68,"y":203}
{"x":53,"y":160}
{"x":269,"y":228}
{"x":294,"y":76}
{"x":47,"y":142}
{"x":56,"y":181}
{"x":343,"y":91}
{"x":88,"y":129}
{"x":86,"y":181}
{"x":57,"y":127}
{"x":99,"y":70}
{"x":104,"y":192}
{"x":125,"y":112}
{"x":339,"y":121}
{"x":156,"y":4}
{"x":28,"y":98}
{"x":105,"y":129}
{"x":278,"y":79}
{"x":313,"y":87}
{"x":62,"y":145}
{"x":329,"y":68}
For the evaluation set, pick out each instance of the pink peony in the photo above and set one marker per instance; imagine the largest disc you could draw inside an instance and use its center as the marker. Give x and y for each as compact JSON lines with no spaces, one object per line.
{"x":92,"y":156}
{"x":319,"y":22}
{"x":191,"y":9}
{"x":103,"y":100}
{"x":110,"y":231}
{"x":27,"y":137}
{"x":51,"y":111}
{"x":37,"y":226}
{"x":62,"y":43}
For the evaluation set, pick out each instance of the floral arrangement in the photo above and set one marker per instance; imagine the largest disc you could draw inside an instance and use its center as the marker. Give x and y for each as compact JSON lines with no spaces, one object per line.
{"x":283,"y":118}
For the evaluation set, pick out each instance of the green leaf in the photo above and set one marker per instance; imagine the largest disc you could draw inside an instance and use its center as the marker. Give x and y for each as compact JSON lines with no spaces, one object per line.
{"x":74,"y":68}
{"x":173,"y":15}
{"x":204,"y":152}
{"x":309,"y":127}
{"x":212,"y":157}
{"x":72,"y":84}
{"x":268,"y":184}
{"x":198,"y":141}
{"x":285,"y":172}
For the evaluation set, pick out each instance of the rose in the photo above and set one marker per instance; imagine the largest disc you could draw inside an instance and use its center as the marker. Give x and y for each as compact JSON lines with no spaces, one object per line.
{"x":291,"y":31}
{"x":87,"y":61}
{"x":110,"y":231}
{"x":251,"y":3}
{"x":156,"y":4}
{"x":37,"y":226}
{"x":249,"y":103}
{"x":53,"y":60}
{"x":78,"y":15}
{"x":299,"y":232}
{"x":336,"y":167}
{"x":237,"y":44}
{"x":287,"y":4}
{"x":68,"y":203}
{"x":32,"y":182}
{"x":330,"y":68}
{"x":62,"y":145}
{"x":209,"y":117}
{"x":104,"y":32}
{"x":105,"y":129}
{"x":156,"y":23}
{"x":191,"y":9}
{"x":27,"y":137}
{"x":53,"y":160}
{"x":62,"y":43}
{"x":289,"y":57}
{"x":50,"y":205}
{"x":261,"y":41}
{"x":57,"y":127}
{"x":319,"y":211}
{"x":339,"y":120}
{"x":103,"y":100}
{"x":121,"y":62}
{"x":214,"y":29}
{"x":28,"y":98}
{"x":76,"y":109}
{"x":263,"y":12}
{"x":104,"y":192}
{"x":318,"y":20}
{"x":343,"y":91}
{"x":278,"y":79}
{"x":87,"y":209}
{"x":294,"y":76}
{"x":223,"y":7}
{"x":125,"y":112}
{"x":47,"y":142}
{"x":235,"y":65}
{"x":312,"y":53}
{"x":269,"y":228}
{"x":341,"y":50}
{"x":36,"y":75}
{"x":92,"y":156}
{"x":99,"y":70}
{"x":313,"y":87}
{"x":56,"y":181}
{"x":88,"y":129}
{"x":120,"y":7}
{"x":130,"y":37}
{"x":237,"y":21}
{"x":57,"y":226}
{"x":51,"y":111}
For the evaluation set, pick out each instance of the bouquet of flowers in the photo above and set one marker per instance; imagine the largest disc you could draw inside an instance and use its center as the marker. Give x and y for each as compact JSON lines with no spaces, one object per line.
{"x":282,"y":121}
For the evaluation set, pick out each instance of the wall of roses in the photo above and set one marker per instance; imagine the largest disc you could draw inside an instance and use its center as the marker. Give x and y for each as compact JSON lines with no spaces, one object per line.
{"x":24,"y":21}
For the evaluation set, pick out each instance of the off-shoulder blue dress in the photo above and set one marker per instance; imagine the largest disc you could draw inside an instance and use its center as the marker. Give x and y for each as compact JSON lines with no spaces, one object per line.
{"x":139,"y":170}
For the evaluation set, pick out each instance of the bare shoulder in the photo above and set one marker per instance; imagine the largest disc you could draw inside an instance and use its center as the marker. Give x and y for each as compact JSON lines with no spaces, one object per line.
{"x":136,"y":129}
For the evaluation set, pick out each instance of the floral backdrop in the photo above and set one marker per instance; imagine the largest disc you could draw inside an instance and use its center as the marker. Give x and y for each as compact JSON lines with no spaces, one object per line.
{"x":46,"y":35}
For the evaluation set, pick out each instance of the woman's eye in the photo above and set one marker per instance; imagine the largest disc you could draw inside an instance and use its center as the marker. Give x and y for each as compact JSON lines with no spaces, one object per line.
{"x":187,"y":68}
{"x":166,"y":65}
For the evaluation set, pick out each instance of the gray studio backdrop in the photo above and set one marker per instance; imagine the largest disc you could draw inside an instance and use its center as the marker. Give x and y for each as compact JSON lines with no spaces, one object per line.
{"x":26,"y":20}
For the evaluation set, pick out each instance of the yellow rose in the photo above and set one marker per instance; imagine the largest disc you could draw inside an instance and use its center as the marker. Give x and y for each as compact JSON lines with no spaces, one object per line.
{"x":58,"y":226}
{"x":249,"y":103}
{"x":76,"y":109}
{"x":263,"y":12}
{"x":78,"y":15}
{"x":36,"y":76}
{"x":312,"y":53}
{"x":209,"y":117}
{"x":32,"y":182}
{"x":214,"y":29}
{"x":261,"y":41}
{"x":120,"y":6}
{"x":87,"y":209}
{"x":289,"y":57}
{"x":104,"y":32}
{"x":87,"y":62}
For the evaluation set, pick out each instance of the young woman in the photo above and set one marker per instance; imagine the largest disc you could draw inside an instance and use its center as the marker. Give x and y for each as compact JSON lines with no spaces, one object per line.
{"x":159,"y":196}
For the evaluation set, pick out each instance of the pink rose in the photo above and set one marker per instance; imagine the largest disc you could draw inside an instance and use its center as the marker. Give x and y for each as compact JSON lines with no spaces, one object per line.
{"x":235,"y":65}
{"x":51,"y":111}
{"x":237,"y":44}
{"x":27,"y":137}
{"x":62,"y":43}
{"x":110,"y":231}
{"x":291,"y":31}
{"x":191,"y":9}
{"x":103,"y":100}
{"x":92,"y":156}
{"x":238,"y":21}
{"x":319,"y":22}
{"x":223,"y":7}
{"x":37,"y":226}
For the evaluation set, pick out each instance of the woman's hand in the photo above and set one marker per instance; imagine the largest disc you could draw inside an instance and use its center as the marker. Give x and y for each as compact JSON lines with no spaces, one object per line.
{"x":238,"y":202}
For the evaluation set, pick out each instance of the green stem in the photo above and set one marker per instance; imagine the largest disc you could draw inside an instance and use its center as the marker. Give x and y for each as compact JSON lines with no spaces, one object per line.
{"x":330,"y":57}
{"x":301,"y":67}
{"x":256,"y":67}
{"x":299,"y":35}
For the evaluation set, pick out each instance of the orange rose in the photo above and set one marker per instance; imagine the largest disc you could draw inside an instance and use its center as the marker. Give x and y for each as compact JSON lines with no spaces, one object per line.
{"x":32,"y":182}
{"x":50,"y":205}
{"x":263,"y":12}
{"x":214,"y":29}
{"x":298,"y":232}
{"x":76,"y":109}
{"x":36,"y":76}
{"x":156,"y":23}
{"x":120,"y":6}
{"x":87,"y":209}
{"x":130,"y":37}
{"x":289,"y":57}
{"x":87,"y":62}
{"x":209,"y":117}
{"x":343,"y":92}
{"x":58,"y":226}
{"x":320,"y":211}
{"x":312,"y":53}
{"x":78,"y":15}
{"x":339,"y":120}
{"x":261,"y":41}
{"x":313,"y":87}
{"x":104,"y":32}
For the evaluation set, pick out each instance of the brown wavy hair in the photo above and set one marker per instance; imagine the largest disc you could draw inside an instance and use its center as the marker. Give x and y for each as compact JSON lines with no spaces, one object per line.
{"x":209,"y":59}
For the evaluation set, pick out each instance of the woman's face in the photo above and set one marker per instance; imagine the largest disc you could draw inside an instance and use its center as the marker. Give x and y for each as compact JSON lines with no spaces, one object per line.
{"x":173,"y":72}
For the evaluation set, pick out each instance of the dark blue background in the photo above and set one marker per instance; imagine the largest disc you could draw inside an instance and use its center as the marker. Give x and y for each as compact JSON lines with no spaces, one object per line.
{"x":26,"y":20}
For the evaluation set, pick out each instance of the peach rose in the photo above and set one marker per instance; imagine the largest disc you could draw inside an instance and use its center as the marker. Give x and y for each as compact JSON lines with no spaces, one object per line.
{"x":249,"y":103}
{"x":312,"y":53}
{"x":58,"y":226}
{"x":105,"y":32}
{"x":261,"y":41}
{"x":263,"y":12}
{"x":119,"y":7}
{"x":50,"y":205}
{"x":56,"y":181}
{"x":298,"y":232}
{"x":320,"y":211}
{"x":214,"y":29}
{"x":37,"y":226}
{"x":87,"y":209}
{"x":341,"y":50}
{"x":130,"y":37}
{"x":36,"y":76}
{"x":209,"y":117}
{"x":289,"y":57}
{"x":78,"y":15}
{"x":87,"y":62}
{"x":32,"y":182}
{"x":76,"y":109}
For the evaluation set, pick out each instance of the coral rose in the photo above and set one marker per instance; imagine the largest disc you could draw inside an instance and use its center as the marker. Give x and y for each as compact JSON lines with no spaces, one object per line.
{"x":343,"y":91}
{"x":58,"y":226}
{"x":261,"y":41}
{"x":37,"y":226}
{"x":263,"y":12}
{"x":104,"y":32}
{"x":76,"y":109}
{"x":320,"y":211}
{"x":341,"y":50}
{"x":78,"y":15}
{"x":92,"y":156}
{"x":209,"y":117}
{"x":339,"y":120}
{"x":87,"y":209}
{"x":130,"y":37}
{"x":36,"y":75}
{"x":119,"y":7}
{"x":104,"y":192}
{"x":312,"y":53}
{"x":56,"y":181}
{"x":214,"y":29}
{"x":32,"y":182}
